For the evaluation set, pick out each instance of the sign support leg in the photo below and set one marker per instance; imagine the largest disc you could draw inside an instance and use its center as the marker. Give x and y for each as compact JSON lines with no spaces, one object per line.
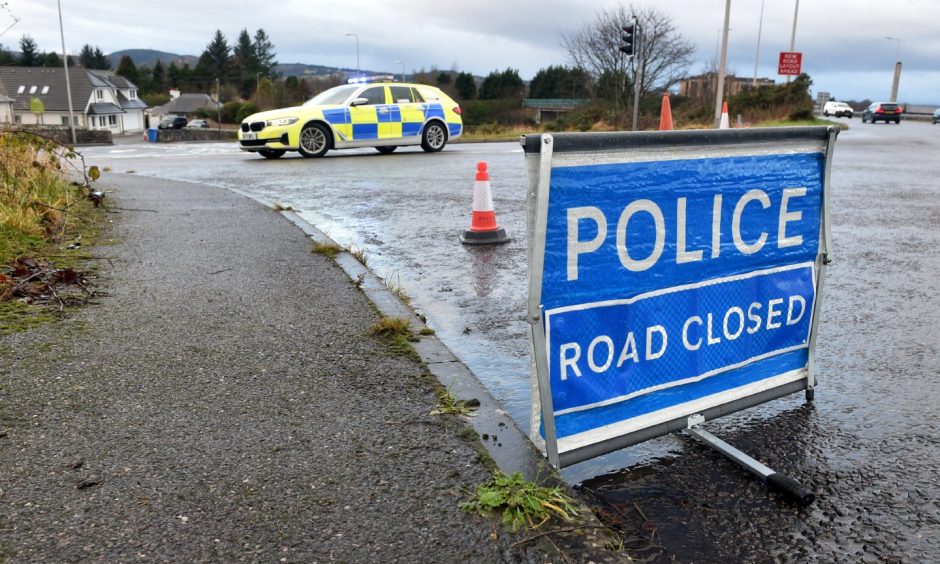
{"x":790,"y":488}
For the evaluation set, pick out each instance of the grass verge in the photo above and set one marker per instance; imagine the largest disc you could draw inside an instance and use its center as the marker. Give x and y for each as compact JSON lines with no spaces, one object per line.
{"x":397,"y":334}
{"x":44,"y":221}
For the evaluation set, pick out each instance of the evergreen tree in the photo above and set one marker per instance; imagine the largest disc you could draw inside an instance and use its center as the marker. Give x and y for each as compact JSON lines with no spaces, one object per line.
{"x":6,"y":58}
{"x":506,"y":84}
{"x":51,"y":60}
{"x":29,"y":53}
{"x":158,"y":77}
{"x":264,"y":53}
{"x":216,"y":63}
{"x":101,"y":61}
{"x":244,"y":57}
{"x":443,"y":78}
{"x":86,"y":57}
{"x":560,"y":82}
{"x":128,"y":69}
{"x":466,"y":86}
{"x":173,"y":75}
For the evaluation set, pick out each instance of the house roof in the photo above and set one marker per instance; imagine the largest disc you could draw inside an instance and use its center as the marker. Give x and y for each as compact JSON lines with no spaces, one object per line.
{"x":129,"y":104}
{"x":104,"y":108}
{"x":115,"y":79}
{"x":188,"y":103}
{"x":48,"y":84}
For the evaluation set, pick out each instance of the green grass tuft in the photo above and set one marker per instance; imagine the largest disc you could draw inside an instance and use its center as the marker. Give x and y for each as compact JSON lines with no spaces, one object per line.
{"x":520,"y":502}
{"x":329,"y":250}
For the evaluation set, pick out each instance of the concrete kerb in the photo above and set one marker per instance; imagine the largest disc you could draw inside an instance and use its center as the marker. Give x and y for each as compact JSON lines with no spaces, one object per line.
{"x":511,"y":449}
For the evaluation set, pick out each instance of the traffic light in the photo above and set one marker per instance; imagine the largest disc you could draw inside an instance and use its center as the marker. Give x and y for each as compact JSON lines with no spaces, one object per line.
{"x":628,"y":39}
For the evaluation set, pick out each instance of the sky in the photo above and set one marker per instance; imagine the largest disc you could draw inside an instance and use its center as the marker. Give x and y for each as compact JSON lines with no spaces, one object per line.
{"x":844,"y":43}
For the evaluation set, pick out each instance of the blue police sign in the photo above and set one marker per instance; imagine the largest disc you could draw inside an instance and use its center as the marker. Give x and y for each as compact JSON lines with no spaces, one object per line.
{"x":671,"y":274}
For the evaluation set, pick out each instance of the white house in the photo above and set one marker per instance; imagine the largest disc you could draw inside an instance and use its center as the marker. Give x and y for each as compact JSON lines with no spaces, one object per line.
{"x":100,"y":99}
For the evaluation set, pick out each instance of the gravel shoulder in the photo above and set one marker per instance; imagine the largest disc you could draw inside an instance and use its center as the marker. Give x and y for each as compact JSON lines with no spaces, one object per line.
{"x":224,"y":402}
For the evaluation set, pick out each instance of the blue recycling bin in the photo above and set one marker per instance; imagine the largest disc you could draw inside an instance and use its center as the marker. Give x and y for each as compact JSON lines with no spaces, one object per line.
{"x":152,"y":135}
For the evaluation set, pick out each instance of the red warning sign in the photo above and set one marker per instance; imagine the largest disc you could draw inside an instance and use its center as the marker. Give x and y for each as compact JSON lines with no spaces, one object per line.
{"x":790,"y":63}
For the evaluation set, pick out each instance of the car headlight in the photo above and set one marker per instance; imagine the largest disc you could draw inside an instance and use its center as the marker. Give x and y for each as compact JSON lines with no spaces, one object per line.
{"x":283,"y":121}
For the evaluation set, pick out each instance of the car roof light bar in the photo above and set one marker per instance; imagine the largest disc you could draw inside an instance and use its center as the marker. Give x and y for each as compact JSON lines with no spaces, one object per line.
{"x":368,"y":79}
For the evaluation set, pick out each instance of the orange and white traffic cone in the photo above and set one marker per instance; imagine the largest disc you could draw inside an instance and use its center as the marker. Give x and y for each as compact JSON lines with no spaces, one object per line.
{"x":483,"y":228}
{"x":723,"y":124}
{"x":665,"y":114}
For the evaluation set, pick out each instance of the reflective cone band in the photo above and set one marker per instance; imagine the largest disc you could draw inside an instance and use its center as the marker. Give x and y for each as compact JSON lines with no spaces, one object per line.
{"x":723,"y":124}
{"x":483,"y":227}
{"x":665,"y":114}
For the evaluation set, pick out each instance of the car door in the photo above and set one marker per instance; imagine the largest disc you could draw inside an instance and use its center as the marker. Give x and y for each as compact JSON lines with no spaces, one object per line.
{"x":365,"y":117}
{"x":410,"y":113}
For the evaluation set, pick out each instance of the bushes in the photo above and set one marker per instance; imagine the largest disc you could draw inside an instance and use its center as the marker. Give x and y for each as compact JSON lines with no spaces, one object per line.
{"x":783,"y":101}
{"x":244,"y":111}
{"x":230,"y":111}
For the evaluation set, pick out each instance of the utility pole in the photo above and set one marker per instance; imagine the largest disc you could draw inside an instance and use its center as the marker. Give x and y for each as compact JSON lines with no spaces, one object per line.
{"x":638,"y":71}
{"x":218,"y":103}
{"x":68,"y":83}
{"x":760,"y":27}
{"x":720,"y":88}
{"x":796,"y":11}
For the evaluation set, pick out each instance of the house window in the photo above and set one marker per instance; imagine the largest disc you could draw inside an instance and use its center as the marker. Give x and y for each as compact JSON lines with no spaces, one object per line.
{"x":45,"y":90}
{"x":99,"y":93}
{"x":21,"y":89}
{"x":112,"y":120}
{"x":65,"y":120}
{"x":17,"y":119}
{"x":32,"y":89}
{"x":133,"y":94}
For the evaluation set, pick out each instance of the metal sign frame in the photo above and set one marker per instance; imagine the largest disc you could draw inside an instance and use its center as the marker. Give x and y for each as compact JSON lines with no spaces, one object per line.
{"x":542,"y":151}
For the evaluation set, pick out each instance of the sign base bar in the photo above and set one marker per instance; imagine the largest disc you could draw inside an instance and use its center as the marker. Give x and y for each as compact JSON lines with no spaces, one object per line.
{"x":790,"y":488}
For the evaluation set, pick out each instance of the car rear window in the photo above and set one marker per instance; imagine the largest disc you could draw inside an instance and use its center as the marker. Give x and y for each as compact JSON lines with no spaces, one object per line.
{"x":889,"y":106}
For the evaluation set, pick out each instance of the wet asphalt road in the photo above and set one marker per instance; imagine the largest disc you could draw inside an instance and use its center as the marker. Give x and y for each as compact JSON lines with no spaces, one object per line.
{"x":869,"y":444}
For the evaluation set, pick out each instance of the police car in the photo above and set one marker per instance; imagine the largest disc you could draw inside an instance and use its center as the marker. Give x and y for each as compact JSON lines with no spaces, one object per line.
{"x":367,"y":112}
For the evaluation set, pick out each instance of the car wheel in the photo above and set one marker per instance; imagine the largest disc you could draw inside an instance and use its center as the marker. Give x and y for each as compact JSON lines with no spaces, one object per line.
{"x":272,"y":153}
{"x":826,"y":114}
{"x":314,"y":140}
{"x":386,"y":149}
{"x":434,"y":137}
{"x":897,"y":121}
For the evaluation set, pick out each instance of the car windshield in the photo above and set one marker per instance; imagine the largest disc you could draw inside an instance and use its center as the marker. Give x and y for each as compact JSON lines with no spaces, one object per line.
{"x":332,"y":96}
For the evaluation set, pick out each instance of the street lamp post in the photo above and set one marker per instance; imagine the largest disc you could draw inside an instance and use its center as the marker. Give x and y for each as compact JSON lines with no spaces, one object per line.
{"x":68,"y":83}
{"x":258,"y":87}
{"x":796,"y":11}
{"x":350,"y":34}
{"x":397,"y":62}
{"x":897,"y":70}
{"x":760,"y":27}
{"x":218,"y":103}
{"x":720,"y":88}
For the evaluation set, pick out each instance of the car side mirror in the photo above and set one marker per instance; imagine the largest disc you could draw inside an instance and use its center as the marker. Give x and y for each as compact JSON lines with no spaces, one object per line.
{"x":360,"y":102}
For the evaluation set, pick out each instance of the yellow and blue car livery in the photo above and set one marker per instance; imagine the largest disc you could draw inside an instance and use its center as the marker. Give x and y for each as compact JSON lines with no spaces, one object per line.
{"x":384,"y":115}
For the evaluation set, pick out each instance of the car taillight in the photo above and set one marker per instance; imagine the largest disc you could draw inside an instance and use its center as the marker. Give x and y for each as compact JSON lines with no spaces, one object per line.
{"x":457,"y":110}
{"x":879,"y":110}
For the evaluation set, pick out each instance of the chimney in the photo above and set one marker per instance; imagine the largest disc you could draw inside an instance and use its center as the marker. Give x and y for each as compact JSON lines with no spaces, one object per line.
{"x":174,"y":93}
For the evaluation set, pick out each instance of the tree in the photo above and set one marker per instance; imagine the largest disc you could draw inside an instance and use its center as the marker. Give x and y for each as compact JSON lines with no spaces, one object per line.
{"x":244,"y":58}
{"x":128,"y":69}
{"x":101,"y":62}
{"x":51,"y":60}
{"x":264,"y":53}
{"x":666,"y":55}
{"x":443,"y":78}
{"x":158,"y":77}
{"x":216,"y":63}
{"x":29,"y":53}
{"x":466,"y":86}
{"x":506,"y":84}
{"x":560,"y":82}
{"x":86,"y":57}
{"x":6,"y":58}
{"x":173,"y":75}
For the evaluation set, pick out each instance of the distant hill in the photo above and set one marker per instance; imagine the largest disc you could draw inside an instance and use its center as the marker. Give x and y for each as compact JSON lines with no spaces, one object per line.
{"x":149,"y":57}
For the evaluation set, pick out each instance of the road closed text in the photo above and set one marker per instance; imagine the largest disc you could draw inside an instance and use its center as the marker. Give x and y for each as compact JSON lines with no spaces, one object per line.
{"x":608,"y":350}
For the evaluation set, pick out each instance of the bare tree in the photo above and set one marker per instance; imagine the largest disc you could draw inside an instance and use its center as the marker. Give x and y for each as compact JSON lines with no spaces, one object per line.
{"x":596,"y":46}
